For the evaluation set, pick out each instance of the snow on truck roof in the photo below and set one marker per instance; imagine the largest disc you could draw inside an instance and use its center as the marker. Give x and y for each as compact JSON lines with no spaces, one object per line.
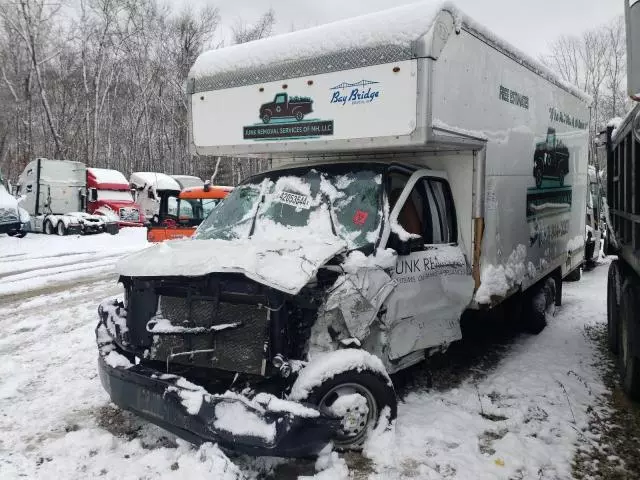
{"x":380,"y":37}
{"x":105,"y":175}
{"x":161,"y":181}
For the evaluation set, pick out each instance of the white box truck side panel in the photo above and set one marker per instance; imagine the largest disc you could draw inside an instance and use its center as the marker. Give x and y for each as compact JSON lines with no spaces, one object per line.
{"x":62,"y":183}
{"x":477,"y":88}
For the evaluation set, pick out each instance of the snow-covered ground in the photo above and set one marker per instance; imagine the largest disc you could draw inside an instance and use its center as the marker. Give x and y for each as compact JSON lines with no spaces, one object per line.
{"x":520,"y":417}
{"x":40,"y":262}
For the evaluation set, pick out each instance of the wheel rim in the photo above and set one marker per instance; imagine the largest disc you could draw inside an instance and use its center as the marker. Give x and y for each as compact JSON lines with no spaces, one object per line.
{"x":355,"y":423}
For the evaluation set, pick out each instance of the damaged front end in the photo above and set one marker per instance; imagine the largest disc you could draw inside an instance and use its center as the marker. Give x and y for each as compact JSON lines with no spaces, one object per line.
{"x":231,"y":336}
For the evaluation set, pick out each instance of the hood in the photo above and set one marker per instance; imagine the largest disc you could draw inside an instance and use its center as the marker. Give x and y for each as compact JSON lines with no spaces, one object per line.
{"x":284,"y":265}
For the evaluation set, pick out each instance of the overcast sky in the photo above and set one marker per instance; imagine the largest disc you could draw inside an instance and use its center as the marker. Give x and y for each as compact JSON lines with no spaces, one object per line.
{"x":529,"y":25}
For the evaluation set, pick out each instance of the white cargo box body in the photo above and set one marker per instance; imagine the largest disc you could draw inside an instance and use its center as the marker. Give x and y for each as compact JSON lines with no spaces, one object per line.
{"x":425,"y":85}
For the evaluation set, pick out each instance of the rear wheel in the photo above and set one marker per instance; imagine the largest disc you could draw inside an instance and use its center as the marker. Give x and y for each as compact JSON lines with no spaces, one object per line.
{"x":61,"y":230}
{"x":574,"y":275}
{"x":299,"y":115}
{"x":48,"y":227}
{"x":359,"y":399}
{"x":613,"y":306}
{"x":629,"y":362}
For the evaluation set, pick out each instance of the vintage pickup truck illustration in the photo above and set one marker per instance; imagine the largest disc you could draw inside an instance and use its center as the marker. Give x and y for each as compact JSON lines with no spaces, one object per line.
{"x":551,"y":159}
{"x":285,"y":106}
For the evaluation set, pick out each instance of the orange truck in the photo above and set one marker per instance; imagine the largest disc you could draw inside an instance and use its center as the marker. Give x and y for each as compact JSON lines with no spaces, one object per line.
{"x":180,"y":215}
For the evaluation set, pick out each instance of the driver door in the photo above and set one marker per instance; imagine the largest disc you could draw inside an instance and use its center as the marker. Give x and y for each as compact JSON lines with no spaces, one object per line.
{"x":434,"y":277}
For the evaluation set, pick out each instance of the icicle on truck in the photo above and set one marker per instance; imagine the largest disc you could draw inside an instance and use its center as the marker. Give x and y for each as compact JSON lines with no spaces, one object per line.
{"x":623,"y":235}
{"x":387,"y":218}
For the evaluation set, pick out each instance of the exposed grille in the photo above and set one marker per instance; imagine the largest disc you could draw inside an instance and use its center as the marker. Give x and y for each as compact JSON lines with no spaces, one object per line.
{"x":129,"y":214}
{"x":8,"y":215}
{"x":238,"y":350}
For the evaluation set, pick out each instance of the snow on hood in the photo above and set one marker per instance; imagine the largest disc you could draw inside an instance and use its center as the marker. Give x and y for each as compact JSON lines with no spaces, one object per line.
{"x":284,"y":265}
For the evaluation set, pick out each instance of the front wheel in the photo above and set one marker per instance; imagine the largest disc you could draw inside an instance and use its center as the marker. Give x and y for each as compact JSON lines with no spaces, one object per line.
{"x":629,"y":361}
{"x":358,"y":398}
{"x":48,"y":228}
{"x":12,"y":233}
{"x":266,"y":118}
{"x":21,"y":234}
{"x":61,"y":230}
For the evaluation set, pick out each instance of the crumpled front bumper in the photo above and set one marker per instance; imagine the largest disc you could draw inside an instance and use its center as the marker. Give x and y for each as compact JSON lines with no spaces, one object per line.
{"x":189,"y":412}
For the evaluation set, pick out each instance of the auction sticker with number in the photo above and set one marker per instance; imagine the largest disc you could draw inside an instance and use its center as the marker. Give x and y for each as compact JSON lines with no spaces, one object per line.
{"x":295,"y":200}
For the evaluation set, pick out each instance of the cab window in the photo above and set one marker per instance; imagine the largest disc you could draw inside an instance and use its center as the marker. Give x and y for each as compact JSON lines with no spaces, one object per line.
{"x":428,"y":211}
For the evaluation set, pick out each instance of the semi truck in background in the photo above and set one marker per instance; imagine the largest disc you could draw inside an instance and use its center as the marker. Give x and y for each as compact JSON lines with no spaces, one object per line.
{"x":54,"y":193}
{"x":623,"y":236}
{"x":108,"y":193}
{"x":418,"y":196}
{"x":151,"y":191}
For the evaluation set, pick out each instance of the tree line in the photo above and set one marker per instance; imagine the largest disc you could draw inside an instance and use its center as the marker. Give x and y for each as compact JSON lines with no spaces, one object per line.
{"x":102,"y":82}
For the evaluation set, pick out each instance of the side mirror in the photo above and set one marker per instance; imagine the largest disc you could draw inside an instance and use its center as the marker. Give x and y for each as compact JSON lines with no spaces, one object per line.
{"x":632,"y":16}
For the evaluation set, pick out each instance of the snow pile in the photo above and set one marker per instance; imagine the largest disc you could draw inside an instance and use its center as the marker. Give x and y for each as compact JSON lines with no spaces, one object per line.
{"x":105,"y":175}
{"x":329,"y":466}
{"x":328,"y":365}
{"x":615,"y":122}
{"x":8,"y":201}
{"x":236,"y":418}
{"x":397,"y":26}
{"x":275,"y":404}
{"x":115,"y":360}
{"x":496,"y":281}
{"x":383,"y":258}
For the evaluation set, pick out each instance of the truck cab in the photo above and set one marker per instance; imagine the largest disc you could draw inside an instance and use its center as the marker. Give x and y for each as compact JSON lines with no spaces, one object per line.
{"x":151,"y":190}
{"x":188,"y":181}
{"x":108,"y":192}
{"x":179,"y":216}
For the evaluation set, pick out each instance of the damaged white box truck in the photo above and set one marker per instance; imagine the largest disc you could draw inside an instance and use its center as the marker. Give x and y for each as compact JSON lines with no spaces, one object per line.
{"x":424,"y":171}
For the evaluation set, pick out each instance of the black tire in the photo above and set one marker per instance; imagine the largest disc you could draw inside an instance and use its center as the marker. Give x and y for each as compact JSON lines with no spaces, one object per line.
{"x":613,"y":306}
{"x":575,"y":275}
{"x":48,"y":228}
{"x":539,"y":299}
{"x":299,"y":115}
{"x":12,"y":233}
{"x":21,"y":234}
{"x":61,"y":230}
{"x":629,"y":363}
{"x":266,"y":118}
{"x":380,"y":392}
